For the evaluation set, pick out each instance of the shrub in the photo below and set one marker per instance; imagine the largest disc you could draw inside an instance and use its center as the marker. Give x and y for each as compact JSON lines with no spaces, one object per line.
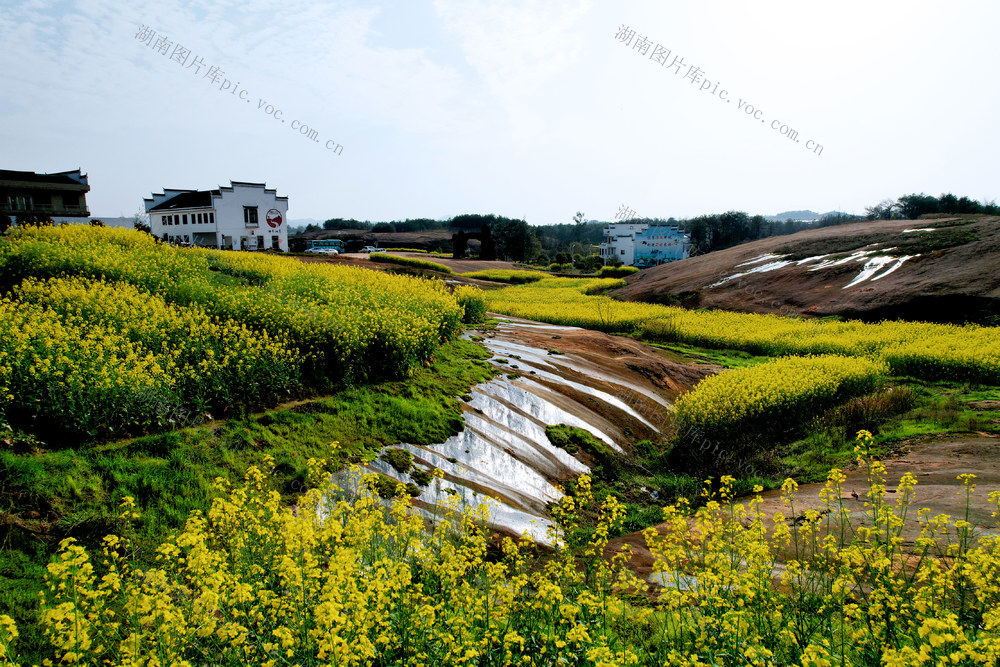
{"x":106,"y":330}
{"x":411,"y":262}
{"x":508,"y":276}
{"x":616,"y":271}
{"x":472,"y":302}
{"x":735,"y":410}
{"x":866,"y":413}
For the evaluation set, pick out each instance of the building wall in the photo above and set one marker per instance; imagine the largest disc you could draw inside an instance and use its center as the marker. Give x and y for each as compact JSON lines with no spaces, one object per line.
{"x":229,"y":215}
{"x":642,"y":245}
{"x":228,"y":229}
{"x":660,"y":244}
{"x":618,"y":242}
{"x":177,"y":232}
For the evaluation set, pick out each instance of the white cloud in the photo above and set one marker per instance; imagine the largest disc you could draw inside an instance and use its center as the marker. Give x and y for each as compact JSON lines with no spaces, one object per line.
{"x":517,"y":48}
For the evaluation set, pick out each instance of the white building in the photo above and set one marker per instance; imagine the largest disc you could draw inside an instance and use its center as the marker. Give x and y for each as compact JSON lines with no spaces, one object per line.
{"x":644,"y":245}
{"x":244,"y":216}
{"x":619,"y":241}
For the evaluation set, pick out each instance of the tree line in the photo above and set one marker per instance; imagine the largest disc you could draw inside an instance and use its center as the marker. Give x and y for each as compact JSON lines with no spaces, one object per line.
{"x":516,"y":240}
{"x":911,"y":207}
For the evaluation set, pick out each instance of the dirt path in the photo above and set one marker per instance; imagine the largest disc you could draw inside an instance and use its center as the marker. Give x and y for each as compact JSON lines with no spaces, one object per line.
{"x":935,"y":461}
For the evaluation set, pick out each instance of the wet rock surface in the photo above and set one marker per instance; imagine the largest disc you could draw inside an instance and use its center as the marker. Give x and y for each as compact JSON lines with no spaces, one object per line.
{"x":616,"y":388}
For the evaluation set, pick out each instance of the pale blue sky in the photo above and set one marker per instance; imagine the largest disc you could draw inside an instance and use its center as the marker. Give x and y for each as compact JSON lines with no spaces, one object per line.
{"x":525,"y":109}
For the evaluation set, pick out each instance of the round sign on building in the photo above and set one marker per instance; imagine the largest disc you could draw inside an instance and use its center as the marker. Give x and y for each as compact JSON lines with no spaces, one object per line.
{"x":274,"y":218}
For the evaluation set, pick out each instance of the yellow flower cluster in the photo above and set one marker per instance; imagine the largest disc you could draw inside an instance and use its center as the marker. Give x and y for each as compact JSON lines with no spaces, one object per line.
{"x":341,"y":580}
{"x":105,"y":328}
{"x":350,"y":579}
{"x":90,"y":354}
{"x":923,"y":350}
{"x":815,"y":587}
{"x":8,"y":635}
{"x":512,"y":276}
{"x":787,"y":390}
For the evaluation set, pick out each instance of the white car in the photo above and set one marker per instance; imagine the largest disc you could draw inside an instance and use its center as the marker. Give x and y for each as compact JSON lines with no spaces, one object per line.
{"x":371,"y":249}
{"x":324,"y":251}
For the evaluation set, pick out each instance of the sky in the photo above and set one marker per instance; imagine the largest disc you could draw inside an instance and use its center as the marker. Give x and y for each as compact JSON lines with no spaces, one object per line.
{"x":527,"y":109}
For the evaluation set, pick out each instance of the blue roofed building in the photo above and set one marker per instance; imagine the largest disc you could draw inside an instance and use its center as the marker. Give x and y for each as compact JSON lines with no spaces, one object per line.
{"x":658,"y":245}
{"x":642,"y":245}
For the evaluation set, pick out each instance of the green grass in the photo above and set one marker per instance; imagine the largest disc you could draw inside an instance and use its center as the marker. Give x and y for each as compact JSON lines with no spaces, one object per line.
{"x":639,"y":478}
{"x":507,"y":276}
{"x":938,"y":408}
{"x":705,"y":355}
{"x":48,"y":492}
{"x":411,"y":262}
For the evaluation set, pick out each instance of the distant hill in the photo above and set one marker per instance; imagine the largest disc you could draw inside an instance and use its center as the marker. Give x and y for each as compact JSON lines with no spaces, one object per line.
{"x":806,"y":215}
{"x":940,"y":269}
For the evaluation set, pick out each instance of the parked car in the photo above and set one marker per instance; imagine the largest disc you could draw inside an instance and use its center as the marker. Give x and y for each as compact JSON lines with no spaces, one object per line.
{"x":324,"y":251}
{"x":371,"y":249}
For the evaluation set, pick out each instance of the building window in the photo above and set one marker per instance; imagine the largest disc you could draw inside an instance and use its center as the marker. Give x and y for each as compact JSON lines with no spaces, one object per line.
{"x":200,"y":219}
{"x":184,"y":218}
{"x":623,"y":252}
{"x":250,"y":216}
{"x":211,"y":218}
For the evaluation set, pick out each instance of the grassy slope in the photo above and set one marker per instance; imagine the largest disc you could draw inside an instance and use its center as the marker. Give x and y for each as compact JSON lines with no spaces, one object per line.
{"x":645,"y":480}
{"x":939,"y":407}
{"x":48,"y":493}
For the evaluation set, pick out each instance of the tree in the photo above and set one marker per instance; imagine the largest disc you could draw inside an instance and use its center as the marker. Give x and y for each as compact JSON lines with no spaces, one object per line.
{"x":884,"y":210}
{"x":140,"y":223}
{"x":913,"y":206}
{"x":513,"y":238}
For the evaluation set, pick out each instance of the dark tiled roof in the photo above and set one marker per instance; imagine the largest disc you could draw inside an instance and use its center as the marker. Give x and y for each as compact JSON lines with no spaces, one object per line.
{"x":198,"y":199}
{"x":32,"y":177}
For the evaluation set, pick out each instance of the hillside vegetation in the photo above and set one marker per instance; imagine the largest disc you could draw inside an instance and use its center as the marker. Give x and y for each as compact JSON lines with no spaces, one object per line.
{"x":923,"y":350}
{"x":108,"y":331}
{"x":129,"y":368}
{"x":346,"y":580}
